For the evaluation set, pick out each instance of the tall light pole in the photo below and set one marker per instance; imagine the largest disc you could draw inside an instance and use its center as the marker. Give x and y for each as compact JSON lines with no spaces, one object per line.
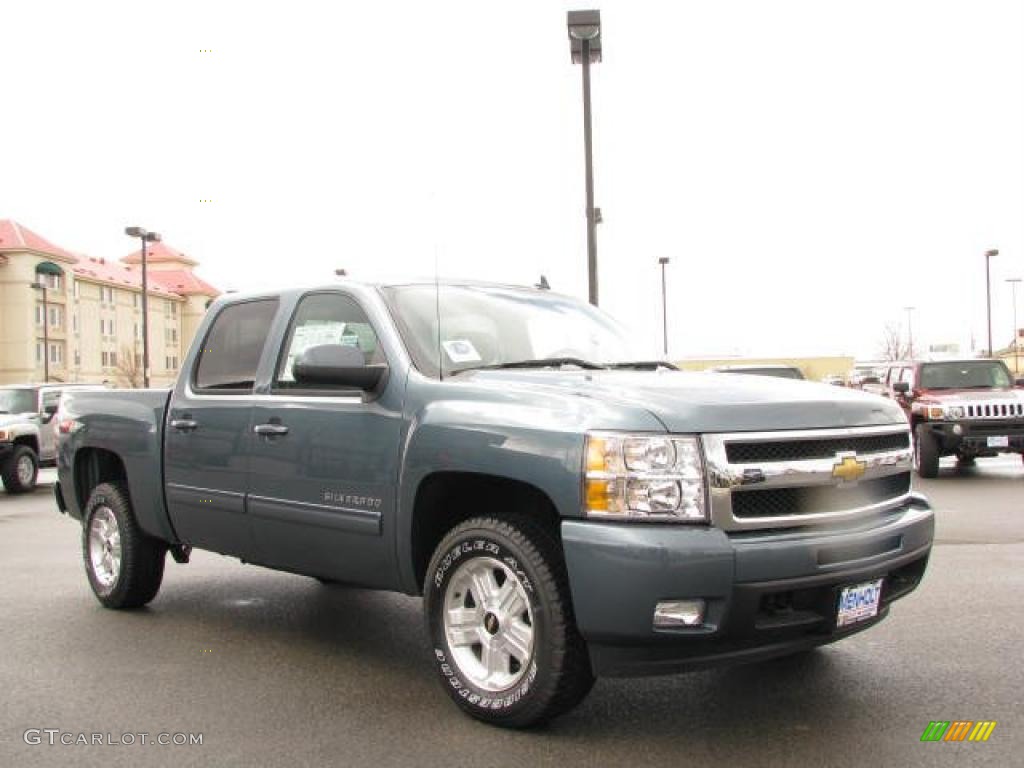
{"x":1016,"y":331}
{"x":39,"y":285}
{"x":664,"y":306}
{"x":585,"y":47}
{"x":988,"y":294}
{"x":145,"y":237}
{"x":910,"y":332}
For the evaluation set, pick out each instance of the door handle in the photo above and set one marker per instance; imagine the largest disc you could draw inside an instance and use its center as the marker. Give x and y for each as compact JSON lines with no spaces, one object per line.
{"x":184,"y":425}
{"x":270,"y":429}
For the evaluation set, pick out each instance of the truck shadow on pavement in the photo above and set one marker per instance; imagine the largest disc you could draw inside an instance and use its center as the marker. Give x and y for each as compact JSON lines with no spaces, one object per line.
{"x":337,"y":630}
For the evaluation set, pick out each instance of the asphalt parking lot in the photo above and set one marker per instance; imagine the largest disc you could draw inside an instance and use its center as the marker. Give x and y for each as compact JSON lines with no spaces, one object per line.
{"x":275,"y":669}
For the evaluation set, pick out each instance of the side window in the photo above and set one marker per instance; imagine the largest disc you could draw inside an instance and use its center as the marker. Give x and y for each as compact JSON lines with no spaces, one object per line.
{"x":325,"y":318}
{"x":232,"y":348}
{"x":50,"y":397}
{"x":907,"y":375}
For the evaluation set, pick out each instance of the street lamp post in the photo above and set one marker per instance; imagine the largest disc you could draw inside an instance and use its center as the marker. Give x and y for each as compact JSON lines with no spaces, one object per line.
{"x":145,"y":237}
{"x":910,"y":332}
{"x":39,"y":285}
{"x":664,"y":307}
{"x":585,"y":47}
{"x":988,"y":294}
{"x":1016,"y":344}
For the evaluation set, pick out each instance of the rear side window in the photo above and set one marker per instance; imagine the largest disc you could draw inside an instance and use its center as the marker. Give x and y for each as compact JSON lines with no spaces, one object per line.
{"x":232,"y":349}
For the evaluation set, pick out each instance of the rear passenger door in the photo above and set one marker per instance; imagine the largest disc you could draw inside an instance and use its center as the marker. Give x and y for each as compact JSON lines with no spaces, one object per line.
{"x":209,"y":430}
{"x":323,"y":473}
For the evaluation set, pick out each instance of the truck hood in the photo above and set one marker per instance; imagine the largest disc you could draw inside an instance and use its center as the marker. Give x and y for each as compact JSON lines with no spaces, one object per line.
{"x":1006,"y":395}
{"x":8,"y":419}
{"x":707,"y":402}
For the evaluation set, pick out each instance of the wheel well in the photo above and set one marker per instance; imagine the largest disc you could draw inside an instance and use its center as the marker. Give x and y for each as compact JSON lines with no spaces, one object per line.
{"x":94,"y":466}
{"x":445,"y":499}
{"x":28,"y":440}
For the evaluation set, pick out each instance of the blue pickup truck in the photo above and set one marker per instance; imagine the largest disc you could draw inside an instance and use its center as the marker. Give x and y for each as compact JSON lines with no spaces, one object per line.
{"x":566,"y":508}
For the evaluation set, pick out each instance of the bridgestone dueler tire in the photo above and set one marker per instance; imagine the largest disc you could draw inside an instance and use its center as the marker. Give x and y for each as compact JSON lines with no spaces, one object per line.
{"x":558,"y":676}
{"x":9,"y":471}
{"x":142,"y":557}
{"x":926,"y":453}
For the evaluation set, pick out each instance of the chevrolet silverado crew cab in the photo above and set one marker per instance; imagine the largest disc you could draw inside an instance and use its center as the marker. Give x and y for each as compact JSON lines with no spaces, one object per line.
{"x":962,"y":408}
{"x":566,"y":508}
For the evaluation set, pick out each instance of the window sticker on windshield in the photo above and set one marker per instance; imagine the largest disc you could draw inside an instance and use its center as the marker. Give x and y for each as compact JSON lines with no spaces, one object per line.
{"x":461,"y":351}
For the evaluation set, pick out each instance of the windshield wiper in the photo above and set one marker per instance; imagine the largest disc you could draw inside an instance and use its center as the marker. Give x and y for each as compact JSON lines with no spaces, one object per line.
{"x":544,"y":362}
{"x":644,"y":365}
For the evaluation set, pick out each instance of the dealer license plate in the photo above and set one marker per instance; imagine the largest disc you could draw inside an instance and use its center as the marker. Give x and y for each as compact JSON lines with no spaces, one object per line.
{"x":998,"y":441}
{"x":859,"y":603}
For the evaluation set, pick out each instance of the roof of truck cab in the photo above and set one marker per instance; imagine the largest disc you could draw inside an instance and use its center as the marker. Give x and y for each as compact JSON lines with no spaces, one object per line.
{"x":346,"y":282}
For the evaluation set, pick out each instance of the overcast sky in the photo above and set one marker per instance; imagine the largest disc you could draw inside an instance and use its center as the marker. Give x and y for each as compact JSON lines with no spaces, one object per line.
{"x":810,"y":168}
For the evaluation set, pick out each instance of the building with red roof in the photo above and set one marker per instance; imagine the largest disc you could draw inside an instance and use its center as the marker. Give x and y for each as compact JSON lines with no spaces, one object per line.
{"x":66,"y":316}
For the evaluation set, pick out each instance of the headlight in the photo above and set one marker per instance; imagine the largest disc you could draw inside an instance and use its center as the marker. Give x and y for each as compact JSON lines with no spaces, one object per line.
{"x":4,"y":435}
{"x":644,"y":477}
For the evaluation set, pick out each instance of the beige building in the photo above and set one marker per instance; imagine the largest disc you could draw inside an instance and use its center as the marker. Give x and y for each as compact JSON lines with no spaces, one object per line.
{"x":90,"y":327}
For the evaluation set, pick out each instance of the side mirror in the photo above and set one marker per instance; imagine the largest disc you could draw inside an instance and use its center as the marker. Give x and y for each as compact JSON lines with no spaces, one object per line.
{"x":901,"y":387}
{"x":337,"y":365}
{"x":48,"y":412}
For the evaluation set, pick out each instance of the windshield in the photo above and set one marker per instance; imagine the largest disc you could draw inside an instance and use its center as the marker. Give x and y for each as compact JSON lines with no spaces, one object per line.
{"x":980,"y":374}
{"x":492,"y":326}
{"x":17,"y":401}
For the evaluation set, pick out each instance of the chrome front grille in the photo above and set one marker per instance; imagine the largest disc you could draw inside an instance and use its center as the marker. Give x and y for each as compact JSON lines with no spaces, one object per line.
{"x":994,"y":410}
{"x":793,"y":478}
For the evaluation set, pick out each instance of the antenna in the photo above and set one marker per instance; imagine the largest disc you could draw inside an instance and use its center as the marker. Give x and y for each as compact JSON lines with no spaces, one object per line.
{"x":437,"y":306}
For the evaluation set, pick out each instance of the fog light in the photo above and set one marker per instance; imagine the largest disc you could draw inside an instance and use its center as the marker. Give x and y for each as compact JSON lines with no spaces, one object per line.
{"x":679,"y":613}
{"x":958,"y":430}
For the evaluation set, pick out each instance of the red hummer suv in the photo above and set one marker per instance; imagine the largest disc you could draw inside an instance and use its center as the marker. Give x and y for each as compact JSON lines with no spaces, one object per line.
{"x":962,"y":408}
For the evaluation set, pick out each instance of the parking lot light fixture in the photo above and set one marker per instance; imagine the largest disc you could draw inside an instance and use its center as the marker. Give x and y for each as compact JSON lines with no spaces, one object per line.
{"x":585,"y":47}
{"x":146,"y":237}
{"x":988,"y":293}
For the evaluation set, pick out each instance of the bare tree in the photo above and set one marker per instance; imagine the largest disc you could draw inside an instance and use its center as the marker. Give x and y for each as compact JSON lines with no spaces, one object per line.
{"x":129,"y":367}
{"x":894,"y":346}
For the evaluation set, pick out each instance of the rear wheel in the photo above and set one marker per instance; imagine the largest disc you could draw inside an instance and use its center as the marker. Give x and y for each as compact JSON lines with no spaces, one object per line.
{"x":926,"y":452}
{"x":498,"y":611}
{"x":125,"y":566}
{"x":20,"y":470}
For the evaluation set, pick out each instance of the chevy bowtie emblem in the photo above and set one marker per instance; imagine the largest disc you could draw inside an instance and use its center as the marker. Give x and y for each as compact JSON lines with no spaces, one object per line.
{"x":849,"y":469}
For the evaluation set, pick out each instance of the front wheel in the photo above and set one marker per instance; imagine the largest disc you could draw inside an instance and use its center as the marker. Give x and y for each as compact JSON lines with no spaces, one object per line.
{"x":926,"y":452}
{"x":499,"y":615}
{"x":125,"y":566}
{"x":21,"y":470}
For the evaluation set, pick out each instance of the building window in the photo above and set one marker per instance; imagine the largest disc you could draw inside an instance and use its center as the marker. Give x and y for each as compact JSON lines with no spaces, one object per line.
{"x":55,"y":317}
{"x":56,"y":354}
{"x":172,"y":363}
{"x":109,"y":359}
{"x":52,"y":282}
{"x":106,"y":294}
{"x":138,"y":332}
{"x":76,"y":289}
{"x":74,"y":322}
{"x":135,"y":300}
{"x":172,"y":308}
{"x":39,"y":352}
{"x":39,"y":314}
{"x":78,"y":357}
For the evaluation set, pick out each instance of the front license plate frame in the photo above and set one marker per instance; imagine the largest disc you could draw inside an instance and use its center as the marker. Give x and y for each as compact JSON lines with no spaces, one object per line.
{"x":858,"y":602}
